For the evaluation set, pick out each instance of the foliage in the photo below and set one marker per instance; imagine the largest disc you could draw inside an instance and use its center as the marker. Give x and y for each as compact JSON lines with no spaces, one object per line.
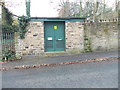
{"x":23,"y":23}
{"x":7,"y":20}
{"x":6,"y":16}
{"x":9,"y":28}
{"x":87,"y":46}
{"x":106,"y":30}
{"x":87,"y":42}
{"x":7,"y":23}
{"x":8,"y":55}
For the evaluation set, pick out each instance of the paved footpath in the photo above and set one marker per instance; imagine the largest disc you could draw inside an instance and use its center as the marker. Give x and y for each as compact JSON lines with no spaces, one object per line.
{"x":32,"y":60}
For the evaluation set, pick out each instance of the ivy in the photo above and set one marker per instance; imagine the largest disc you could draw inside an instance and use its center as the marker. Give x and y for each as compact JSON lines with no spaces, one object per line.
{"x":9,"y":28}
{"x":87,"y":42}
{"x":21,"y":28}
{"x":23,"y":23}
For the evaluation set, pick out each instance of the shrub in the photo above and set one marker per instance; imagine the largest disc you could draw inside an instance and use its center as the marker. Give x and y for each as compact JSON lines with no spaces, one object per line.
{"x":9,"y":55}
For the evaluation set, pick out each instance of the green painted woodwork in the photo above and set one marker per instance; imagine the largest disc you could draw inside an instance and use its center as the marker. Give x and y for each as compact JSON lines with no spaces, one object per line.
{"x":28,"y":8}
{"x":56,"y":19}
{"x":54,"y":36}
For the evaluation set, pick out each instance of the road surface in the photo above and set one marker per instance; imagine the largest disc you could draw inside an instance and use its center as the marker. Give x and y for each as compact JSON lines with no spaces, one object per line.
{"x":85,"y":75}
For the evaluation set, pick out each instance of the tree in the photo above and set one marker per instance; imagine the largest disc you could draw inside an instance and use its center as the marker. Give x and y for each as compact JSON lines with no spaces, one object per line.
{"x":6,"y":16}
{"x":88,"y":9}
{"x":64,"y":11}
{"x":68,"y":9}
{"x":7,"y":20}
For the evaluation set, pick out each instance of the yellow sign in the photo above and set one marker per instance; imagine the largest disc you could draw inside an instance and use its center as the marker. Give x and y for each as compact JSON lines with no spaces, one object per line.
{"x":55,"y":27}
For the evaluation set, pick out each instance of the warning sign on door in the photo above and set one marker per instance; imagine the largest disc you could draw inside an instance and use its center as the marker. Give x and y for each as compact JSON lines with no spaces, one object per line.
{"x":55,"y":27}
{"x":49,"y":38}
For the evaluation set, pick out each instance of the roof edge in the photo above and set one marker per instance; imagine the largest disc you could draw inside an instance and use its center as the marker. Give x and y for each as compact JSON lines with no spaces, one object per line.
{"x":56,"y":19}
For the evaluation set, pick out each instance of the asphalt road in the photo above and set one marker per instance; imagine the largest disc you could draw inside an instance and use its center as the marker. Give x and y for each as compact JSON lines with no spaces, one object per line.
{"x":85,"y":75}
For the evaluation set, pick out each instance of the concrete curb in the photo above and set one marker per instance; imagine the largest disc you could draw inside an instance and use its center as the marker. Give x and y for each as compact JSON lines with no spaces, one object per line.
{"x":56,"y":64}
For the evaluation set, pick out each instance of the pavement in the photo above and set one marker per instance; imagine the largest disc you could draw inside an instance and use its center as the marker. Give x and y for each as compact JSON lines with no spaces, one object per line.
{"x":80,"y":75}
{"x":34,"y":60}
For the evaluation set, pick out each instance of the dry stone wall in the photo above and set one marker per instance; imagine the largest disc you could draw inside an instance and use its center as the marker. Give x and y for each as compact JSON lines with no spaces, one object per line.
{"x":103,"y":36}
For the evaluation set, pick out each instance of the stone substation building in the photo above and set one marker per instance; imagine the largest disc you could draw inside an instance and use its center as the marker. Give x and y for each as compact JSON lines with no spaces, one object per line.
{"x":67,"y":34}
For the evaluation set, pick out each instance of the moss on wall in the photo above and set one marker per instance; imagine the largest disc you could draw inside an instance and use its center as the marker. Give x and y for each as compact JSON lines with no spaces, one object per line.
{"x":87,"y":42}
{"x":101,"y":36}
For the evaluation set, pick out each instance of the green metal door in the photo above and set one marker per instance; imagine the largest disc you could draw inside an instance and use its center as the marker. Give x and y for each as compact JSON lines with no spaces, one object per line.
{"x":54,"y":35}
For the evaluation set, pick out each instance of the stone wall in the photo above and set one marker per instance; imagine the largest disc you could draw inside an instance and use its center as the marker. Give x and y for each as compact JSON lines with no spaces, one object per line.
{"x":100,"y":36}
{"x":33,"y":44}
{"x":74,"y":35}
{"x":103,"y":36}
